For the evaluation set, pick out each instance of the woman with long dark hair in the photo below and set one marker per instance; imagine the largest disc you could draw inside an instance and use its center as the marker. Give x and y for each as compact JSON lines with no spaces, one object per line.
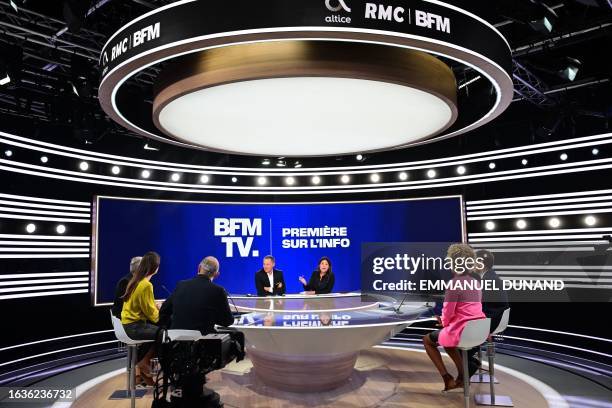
{"x":140,"y":314}
{"x":322,"y":279}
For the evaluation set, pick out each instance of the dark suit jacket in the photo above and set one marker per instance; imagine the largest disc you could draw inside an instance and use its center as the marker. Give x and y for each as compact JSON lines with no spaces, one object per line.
{"x":119,"y":292}
{"x":494,"y":302}
{"x":262,"y":281}
{"x":320,"y":286}
{"x":196,"y":304}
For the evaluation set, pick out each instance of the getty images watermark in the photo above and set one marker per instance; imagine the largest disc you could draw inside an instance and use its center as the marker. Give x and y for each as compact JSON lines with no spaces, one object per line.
{"x":434,"y":271}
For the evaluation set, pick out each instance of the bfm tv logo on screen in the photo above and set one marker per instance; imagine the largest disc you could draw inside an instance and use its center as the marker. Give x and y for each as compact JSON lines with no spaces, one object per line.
{"x":238,"y":233}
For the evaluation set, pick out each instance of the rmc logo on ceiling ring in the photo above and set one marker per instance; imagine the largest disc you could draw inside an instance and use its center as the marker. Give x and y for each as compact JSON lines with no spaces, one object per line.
{"x":335,"y":18}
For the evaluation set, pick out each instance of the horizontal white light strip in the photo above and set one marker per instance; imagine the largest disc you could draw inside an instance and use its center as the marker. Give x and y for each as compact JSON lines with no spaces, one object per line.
{"x":521,"y":250}
{"x":45,"y":200}
{"x":46,"y":287}
{"x":566,"y":267}
{"x":56,"y":351}
{"x":558,"y":231}
{"x":42,"y":275}
{"x":539,"y":197}
{"x":31,"y":237}
{"x":43,"y":212}
{"x":43,"y":256}
{"x":506,"y":175}
{"x":558,"y":345}
{"x":595,"y":281}
{"x":54,"y":339}
{"x":35,"y":281}
{"x":539,"y":208}
{"x":448,"y":161}
{"x":587,"y":274}
{"x":559,"y":237}
{"x":539,"y":214}
{"x":37,"y":218}
{"x":47,"y":206}
{"x":88,"y":155}
{"x":580,"y":286}
{"x":545,"y":243}
{"x":43,"y":243}
{"x":540,"y":202}
{"x":72,"y":250}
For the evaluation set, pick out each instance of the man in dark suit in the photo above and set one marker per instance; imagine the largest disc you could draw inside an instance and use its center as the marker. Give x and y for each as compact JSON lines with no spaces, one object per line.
{"x":198,"y":303}
{"x":494,"y":302}
{"x":268,"y":280}
{"x":122,"y":285}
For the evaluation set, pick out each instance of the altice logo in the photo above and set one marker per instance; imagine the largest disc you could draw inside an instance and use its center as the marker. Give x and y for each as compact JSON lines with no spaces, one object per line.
{"x":341,"y":6}
{"x":335,"y":18}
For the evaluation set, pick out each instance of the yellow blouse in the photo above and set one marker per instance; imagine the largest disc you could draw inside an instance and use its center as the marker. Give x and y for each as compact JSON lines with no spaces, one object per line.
{"x":141,"y":305}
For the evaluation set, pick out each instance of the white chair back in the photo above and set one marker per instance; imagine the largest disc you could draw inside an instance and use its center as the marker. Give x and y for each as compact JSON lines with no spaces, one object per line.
{"x":120,"y":332}
{"x":503,"y":323}
{"x":184,"y":335}
{"x":474,"y":333}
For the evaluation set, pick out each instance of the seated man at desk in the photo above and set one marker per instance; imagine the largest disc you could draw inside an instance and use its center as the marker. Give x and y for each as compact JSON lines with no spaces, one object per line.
{"x":268,"y":280}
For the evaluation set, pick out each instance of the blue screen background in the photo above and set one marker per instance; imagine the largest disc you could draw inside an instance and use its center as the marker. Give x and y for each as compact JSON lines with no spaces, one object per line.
{"x":183,"y":233}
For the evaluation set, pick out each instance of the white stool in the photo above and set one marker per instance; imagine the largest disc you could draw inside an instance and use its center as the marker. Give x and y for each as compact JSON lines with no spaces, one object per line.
{"x":474,"y":334}
{"x":491,"y":399}
{"x":132,"y":353}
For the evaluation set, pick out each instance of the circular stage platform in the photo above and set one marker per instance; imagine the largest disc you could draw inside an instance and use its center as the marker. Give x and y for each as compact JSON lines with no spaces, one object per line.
{"x":382,"y":377}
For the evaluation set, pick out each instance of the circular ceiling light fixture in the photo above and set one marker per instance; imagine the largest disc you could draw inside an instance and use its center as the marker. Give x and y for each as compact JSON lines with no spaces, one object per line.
{"x":303,"y":83}
{"x":330,"y":97}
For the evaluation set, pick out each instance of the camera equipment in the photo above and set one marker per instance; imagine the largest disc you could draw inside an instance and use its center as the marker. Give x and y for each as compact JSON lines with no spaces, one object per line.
{"x":184,"y":365}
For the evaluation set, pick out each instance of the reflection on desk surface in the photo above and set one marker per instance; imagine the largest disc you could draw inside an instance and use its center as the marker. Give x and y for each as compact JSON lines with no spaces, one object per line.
{"x":313,"y":319}
{"x":301,"y":303}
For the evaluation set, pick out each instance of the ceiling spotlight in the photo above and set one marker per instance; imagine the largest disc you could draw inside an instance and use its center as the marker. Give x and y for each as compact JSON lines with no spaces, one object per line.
{"x":204,"y":179}
{"x":316,"y":180}
{"x":30,"y":228}
{"x":262,"y":181}
{"x":524,"y":162}
{"x":5,"y":79}
{"x":345,"y":179}
{"x":521,"y":224}
{"x":595,"y":152}
{"x":563,"y":156}
{"x":8,"y":153}
{"x":590,"y":220}
{"x":570,"y":71}
{"x":554,"y":222}
{"x":297,"y":165}
{"x":84,"y":166}
{"x":265,"y":162}
{"x":545,"y":20}
{"x":490,"y":225}
{"x":403,"y":176}
{"x":375,"y":178}
{"x":44,"y":159}
{"x":152,"y":146}
{"x":290,"y":181}
{"x":431,"y":173}
{"x":145,"y":174}
{"x":115,"y":170}
{"x":60,"y":229}
{"x":461,"y":170}
{"x":360,"y":157}
{"x":281,"y":163}
{"x":234,"y":179}
{"x":492,"y":166}
{"x":175,"y":177}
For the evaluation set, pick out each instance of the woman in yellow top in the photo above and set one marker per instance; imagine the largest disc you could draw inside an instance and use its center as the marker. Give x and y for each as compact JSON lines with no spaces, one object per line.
{"x":140,"y":314}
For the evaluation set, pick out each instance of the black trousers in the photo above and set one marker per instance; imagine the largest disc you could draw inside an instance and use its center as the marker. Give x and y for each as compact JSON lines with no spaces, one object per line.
{"x":142,"y":331}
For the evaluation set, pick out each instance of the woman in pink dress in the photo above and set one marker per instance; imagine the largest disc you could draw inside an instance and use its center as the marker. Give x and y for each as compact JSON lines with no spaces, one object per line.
{"x":460,"y":306}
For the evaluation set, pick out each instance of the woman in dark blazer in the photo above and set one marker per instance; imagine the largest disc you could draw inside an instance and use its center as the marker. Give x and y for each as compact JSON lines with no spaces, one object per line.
{"x":322,"y":279}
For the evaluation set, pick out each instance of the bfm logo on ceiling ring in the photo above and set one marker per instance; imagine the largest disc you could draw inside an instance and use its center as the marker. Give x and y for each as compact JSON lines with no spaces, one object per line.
{"x":335,"y":18}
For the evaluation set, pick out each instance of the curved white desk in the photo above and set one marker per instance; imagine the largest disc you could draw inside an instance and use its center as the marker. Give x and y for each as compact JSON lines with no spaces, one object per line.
{"x":300,"y":343}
